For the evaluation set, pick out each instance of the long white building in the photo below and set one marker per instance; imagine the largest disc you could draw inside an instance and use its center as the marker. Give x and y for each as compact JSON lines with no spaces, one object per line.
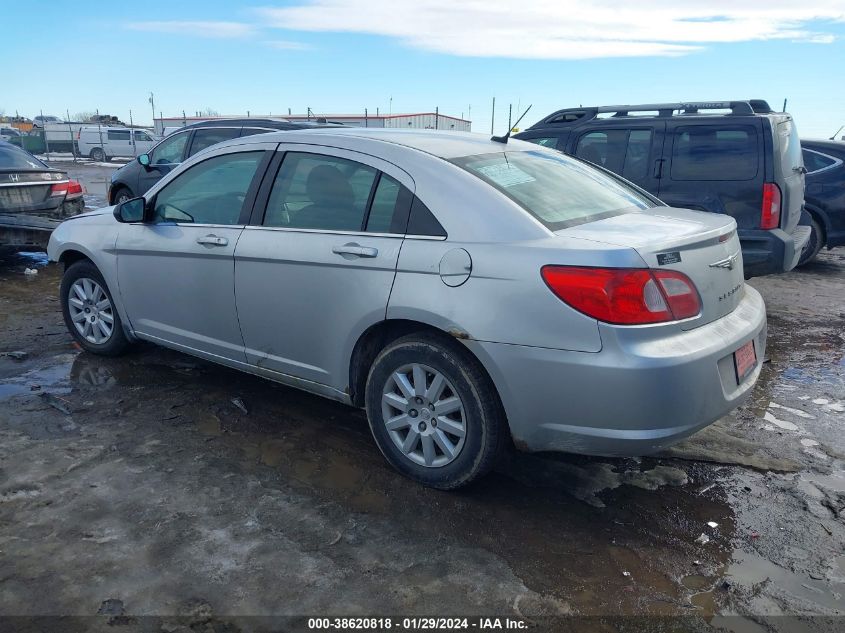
{"x":416,"y":120}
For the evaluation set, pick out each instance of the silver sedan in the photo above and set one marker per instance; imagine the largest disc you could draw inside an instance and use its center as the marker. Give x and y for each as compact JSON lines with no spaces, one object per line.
{"x":469,"y":294}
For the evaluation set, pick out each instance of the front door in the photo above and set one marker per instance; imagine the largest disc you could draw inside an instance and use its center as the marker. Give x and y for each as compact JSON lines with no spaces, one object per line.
{"x":176,"y":271}
{"x":319,"y":269}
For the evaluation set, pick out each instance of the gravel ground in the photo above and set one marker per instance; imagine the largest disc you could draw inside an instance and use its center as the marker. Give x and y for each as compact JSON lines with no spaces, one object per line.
{"x":135,"y":485}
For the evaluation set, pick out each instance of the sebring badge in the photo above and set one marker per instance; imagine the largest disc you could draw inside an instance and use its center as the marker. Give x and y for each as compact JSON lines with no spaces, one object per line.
{"x":728,"y":262}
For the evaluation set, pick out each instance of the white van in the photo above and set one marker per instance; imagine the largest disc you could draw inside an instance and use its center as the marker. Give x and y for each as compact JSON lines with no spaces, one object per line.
{"x":105,"y":142}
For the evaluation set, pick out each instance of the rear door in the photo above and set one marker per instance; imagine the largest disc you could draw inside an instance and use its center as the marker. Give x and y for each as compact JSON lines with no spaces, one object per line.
{"x":632,"y":150}
{"x":716,"y":167}
{"x":789,"y":172}
{"x":316,"y":269}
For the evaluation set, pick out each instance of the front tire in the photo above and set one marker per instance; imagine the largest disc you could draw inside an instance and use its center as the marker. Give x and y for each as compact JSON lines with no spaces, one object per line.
{"x":122,"y":195}
{"x":89,"y":311}
{"x":433,"y":412}
{"x":814,"y":245}
{"x":98,"y":155}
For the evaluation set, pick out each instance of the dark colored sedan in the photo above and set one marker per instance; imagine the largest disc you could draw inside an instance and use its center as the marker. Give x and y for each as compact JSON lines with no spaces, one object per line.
{"x":32,"y":197}
{"x":135,"y":178}
{"x":824,"y":197}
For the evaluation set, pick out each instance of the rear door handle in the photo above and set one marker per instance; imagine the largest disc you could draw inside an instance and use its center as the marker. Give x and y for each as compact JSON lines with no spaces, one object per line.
{"x":355,"y":250}
{"x":212,"y":240}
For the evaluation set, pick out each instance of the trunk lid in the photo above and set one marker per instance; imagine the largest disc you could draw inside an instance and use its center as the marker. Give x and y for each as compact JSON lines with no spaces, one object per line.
{"x":703,"y":246}
{"x":29,"y":191}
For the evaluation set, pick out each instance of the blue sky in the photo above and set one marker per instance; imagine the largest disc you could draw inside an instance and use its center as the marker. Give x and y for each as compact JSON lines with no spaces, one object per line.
{"x":339,"y":56}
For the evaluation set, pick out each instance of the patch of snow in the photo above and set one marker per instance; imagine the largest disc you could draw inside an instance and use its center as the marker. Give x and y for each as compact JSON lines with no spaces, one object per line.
{"x":783,"y":424}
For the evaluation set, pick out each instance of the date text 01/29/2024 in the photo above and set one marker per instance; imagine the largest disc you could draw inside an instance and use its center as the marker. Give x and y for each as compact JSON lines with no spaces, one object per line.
{"x":416,"y":624}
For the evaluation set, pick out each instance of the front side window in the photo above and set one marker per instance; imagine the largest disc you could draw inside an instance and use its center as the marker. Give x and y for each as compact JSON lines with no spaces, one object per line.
{"x":557,"y":190}
{"x":714,"y":153}
{"x":170,"y":150}
{"x":212,"y":136}
{"x":211,"y":192}
{"x":312,"y":191}
{"x":118,"y":135}
{"x":142,"y":137}
{"x":545,"y":141}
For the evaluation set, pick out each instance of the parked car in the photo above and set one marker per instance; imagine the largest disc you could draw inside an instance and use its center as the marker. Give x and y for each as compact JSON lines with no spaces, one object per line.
{"x":9,"y":133}
{"x":743,"y":161}
{"x":32,"y":197}
{"x":135,"y":178}
{"x":41,"y":120}
{"x":825,"y":195}
{"x":102,"y":143}
{"x":460,"y":290}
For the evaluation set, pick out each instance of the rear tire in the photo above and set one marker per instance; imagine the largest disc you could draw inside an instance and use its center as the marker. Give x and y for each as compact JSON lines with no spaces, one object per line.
{"x":97,"y":155}
{"x":433,"y":412}
{"x":89,"y":311}
{"x":815,"y":243}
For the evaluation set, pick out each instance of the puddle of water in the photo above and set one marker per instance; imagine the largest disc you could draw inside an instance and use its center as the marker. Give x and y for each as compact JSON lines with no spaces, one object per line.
{"x":748,"y":569}
{"x":52,"y":379}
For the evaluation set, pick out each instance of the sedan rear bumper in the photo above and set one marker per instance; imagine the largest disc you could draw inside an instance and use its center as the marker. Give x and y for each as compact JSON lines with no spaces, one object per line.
{"x":645,"y":390}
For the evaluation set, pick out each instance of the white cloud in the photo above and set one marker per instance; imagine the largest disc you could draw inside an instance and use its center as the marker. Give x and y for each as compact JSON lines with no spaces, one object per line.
{"x":564,"y":29}
{"x":218,"y":30}
{"x":287,"y":45}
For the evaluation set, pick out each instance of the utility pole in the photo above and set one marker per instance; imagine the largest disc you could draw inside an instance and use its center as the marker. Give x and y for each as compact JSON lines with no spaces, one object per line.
{"x":493,"y":117}
{"x":510,"y":113}
{"x":153,"y":106}
{"x":390,"y":112}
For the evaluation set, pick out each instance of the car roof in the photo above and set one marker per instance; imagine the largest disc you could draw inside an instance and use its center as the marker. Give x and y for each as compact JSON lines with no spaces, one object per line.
{"x":443,"y":144}
{"x":281,"y":124}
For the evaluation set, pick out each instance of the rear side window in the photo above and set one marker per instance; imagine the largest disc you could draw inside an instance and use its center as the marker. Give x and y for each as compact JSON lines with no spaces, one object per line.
{"x":389,"y":208}
{"x":714,"y":153}
{"x":814,"y":161}
{"x":624,"y":152}
{"x":118,"y":135}
{"x":556,"y":189}
{"x":211,"y":136}
{"x":423,"y":222}
{"x":312,"y":191}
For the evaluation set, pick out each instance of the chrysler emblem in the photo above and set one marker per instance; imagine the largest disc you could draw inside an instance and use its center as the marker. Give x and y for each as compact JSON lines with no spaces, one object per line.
{"x":728,"y":263}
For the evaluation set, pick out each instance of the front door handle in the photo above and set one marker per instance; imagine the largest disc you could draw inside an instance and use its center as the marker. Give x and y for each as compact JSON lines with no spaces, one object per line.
{"x":355,"y":250}
{"x":212,"y":240}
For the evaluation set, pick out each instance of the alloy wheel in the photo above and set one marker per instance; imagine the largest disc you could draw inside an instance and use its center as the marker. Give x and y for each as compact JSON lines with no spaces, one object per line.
{"x":91,"y":311}
{"x":424,"y":415}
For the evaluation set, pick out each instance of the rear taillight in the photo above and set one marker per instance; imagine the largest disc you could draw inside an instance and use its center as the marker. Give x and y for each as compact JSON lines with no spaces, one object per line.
{"x":770,"y":214}
{"x":625,"y":296}
{"x":59,"y":188}
{"x":74,"y":189}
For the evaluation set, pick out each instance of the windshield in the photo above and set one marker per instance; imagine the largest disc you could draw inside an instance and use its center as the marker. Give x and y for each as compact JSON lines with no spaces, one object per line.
{"x":13,"y":158}
{"x":557,"y":190}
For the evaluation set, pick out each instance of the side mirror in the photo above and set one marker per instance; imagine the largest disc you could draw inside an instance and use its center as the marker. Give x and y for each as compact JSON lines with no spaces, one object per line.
{"x":144,"y":159}
{"x":130,"y":211}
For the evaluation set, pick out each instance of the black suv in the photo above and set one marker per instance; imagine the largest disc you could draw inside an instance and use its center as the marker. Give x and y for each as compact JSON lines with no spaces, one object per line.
{"x":135,"y":178}
{"x":825,"y":195}
{"x":735,"y":157}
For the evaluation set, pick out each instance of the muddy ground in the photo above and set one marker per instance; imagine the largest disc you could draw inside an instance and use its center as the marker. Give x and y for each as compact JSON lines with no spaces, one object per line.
{"x":138,"y":481}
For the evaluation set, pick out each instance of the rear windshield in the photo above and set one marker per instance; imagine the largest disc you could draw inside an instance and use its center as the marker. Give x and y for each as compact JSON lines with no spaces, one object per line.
{"x":557,"y":190}
{"x":13,"y":158}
